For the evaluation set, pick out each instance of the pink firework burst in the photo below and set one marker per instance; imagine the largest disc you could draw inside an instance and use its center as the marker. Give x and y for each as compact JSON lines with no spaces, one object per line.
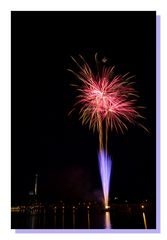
{"x":106,"y":101}
{"x":106,"y":98}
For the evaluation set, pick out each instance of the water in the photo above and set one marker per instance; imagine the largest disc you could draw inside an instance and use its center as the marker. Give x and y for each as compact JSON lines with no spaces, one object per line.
{"x":120,"y":217}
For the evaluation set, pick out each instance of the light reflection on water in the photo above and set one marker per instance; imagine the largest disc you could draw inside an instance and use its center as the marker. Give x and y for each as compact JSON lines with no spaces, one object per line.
{"x":107,"y":220}
{"x":88,"y":220}
{"x":32,"y":221}
{"x":144,"y":219}
{"x":63,"y":219}
{"x":55,"y":221}
{"x":73,"y":219}
{"x":82,"y":219}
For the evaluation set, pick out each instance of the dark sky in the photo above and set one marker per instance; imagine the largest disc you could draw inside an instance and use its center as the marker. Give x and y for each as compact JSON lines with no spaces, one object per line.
{"x":45,"y":140}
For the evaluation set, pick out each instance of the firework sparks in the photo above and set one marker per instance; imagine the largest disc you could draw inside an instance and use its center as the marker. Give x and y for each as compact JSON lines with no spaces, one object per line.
{"x":105,"y":165}
{"x":106,"y":101}
{"x":106,"y":98}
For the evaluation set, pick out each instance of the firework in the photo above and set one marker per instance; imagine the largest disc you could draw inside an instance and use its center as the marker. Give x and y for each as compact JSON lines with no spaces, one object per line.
{"x":105,"y":165}
{"x":106,"y":101}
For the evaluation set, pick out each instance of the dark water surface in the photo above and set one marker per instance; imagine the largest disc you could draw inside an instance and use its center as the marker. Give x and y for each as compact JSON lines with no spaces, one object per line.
{"x":127,"y":217}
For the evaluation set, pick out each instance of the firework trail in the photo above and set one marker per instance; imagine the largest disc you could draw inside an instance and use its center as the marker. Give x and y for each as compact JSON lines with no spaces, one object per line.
{"x":106,"y":101}
{"x":105,"y":172}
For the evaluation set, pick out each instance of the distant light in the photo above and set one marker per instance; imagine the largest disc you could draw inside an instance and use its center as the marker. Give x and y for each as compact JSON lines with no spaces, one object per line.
{"x":126,"y":201}
{"x":115,"y":198}
{"x":104,"y":60}
{"x":142,"y":206}
{"x":88,"y":207}
{"x":107,"y":207}
{"x":73,"y":207}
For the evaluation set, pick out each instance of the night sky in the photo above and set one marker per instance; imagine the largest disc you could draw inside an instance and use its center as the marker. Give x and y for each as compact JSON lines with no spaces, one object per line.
{"x":45,"y":140}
